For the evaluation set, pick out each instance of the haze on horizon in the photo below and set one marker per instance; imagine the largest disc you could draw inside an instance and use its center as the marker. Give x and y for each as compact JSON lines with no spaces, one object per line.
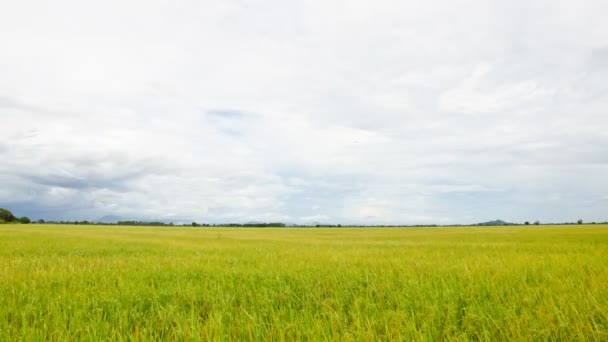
{"x":383,"y":112}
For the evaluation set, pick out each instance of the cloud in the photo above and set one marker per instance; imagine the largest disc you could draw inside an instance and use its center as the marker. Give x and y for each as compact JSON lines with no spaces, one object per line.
{"x":347,"y":112}
{"x":314,"y":218}
{"x":227,"y":114}
{"x":475,"y":96}
{"x":598,"y":60}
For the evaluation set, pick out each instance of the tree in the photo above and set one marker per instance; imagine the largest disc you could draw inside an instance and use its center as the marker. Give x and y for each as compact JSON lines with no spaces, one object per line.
{"x":527,"y":223}
{"x":6,"y":215}
{"x":24,"y":220}
{"x":537,"y":222}
{"x":579,"y":221}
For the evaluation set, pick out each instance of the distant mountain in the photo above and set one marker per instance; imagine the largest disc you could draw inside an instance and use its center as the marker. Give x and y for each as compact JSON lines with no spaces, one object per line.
{"x":494,"y":223}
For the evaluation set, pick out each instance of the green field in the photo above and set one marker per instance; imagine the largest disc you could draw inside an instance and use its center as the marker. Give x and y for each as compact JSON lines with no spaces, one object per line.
{"x":134,"y":283}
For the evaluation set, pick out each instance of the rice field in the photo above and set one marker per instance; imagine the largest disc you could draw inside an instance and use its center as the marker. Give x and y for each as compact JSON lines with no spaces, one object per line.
{"x":95,"y":283}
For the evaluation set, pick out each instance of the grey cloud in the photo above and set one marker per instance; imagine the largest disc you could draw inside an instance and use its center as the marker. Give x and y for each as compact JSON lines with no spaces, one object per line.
{"x":227,"y":114}
{"x":85,"y":182}
{"x":8,"y":102}
{"x":231,"y":122}
{"x":599,"y":59}
{"x":14,"y":103}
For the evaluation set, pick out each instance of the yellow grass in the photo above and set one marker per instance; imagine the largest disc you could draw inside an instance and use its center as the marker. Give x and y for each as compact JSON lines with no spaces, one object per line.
{"x":138,"y":283}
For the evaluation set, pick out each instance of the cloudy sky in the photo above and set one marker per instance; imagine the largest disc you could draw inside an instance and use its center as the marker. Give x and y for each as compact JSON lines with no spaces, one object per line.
{"x":367,"y":112}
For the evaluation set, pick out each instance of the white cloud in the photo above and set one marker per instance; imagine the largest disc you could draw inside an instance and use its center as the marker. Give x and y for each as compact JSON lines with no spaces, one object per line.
{"x":472,"y":96}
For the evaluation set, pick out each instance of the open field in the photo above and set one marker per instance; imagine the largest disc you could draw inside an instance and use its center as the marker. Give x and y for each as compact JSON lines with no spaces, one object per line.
{"x":97,"y":283}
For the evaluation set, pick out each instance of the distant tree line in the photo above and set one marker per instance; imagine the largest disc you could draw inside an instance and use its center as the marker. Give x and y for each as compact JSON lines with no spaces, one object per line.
{"x":280,"y":224}
{"x":169,"y":224}
{"x":7,"y":217}
{"x":258,"y":225}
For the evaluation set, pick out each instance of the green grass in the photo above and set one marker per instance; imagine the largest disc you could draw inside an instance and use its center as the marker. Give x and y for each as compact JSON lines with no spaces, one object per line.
{"x":136,"y":283}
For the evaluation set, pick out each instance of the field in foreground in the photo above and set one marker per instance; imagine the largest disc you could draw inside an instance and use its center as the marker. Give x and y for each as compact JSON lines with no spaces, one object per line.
{"x":100,"y":283}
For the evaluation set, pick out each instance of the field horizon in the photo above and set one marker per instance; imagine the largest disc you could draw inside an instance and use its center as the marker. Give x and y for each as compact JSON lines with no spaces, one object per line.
{"x":66,"y":282}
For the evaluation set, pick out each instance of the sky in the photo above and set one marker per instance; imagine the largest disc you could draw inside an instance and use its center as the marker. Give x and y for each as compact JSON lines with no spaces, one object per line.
{"x":351,"y":112}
